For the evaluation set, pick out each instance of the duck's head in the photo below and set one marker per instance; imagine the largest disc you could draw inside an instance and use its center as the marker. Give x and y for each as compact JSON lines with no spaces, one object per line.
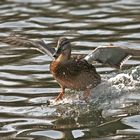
{"x":63,"y":50}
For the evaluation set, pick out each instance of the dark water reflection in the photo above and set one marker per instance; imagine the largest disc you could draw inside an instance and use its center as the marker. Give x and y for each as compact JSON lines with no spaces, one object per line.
{"x":26,"y":83}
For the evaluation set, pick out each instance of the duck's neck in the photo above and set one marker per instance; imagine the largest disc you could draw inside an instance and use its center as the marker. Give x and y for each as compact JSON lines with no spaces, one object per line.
{"x":63,"y":57}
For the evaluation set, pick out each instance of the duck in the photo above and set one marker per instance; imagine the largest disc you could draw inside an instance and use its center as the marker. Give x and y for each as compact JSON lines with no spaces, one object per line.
{"x":77,"y":73}
{"x":72,"y":73}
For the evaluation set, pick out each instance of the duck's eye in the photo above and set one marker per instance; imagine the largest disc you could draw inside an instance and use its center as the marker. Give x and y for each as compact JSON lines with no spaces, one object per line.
{"x":59,"y":50}
{"x":63,"y":48}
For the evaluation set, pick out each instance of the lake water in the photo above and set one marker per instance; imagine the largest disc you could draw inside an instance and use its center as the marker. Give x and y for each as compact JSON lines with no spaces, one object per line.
{"x":26,"y":85}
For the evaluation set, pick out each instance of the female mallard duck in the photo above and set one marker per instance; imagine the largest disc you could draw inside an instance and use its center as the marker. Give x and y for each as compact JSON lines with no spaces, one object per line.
{"x":76,"y":74}
{"x":71,"y":73}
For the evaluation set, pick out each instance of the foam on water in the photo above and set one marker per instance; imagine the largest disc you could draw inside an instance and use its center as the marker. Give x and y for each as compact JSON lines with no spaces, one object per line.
{"x":109,"y":96}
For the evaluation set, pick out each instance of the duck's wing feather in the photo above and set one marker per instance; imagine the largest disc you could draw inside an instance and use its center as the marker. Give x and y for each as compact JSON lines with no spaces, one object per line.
{"x":39,"y":45}
{"x":19,"y":41}
{"x":73,"y":68}
{"x":112,"y":55}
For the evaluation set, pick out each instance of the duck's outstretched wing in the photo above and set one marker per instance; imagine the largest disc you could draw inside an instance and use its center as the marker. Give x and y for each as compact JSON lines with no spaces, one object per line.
{"x":112,"y":55}
{"x":18,"y":41}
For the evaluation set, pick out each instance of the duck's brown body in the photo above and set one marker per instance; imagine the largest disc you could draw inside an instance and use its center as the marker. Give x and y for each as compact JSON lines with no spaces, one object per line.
{"x":75,"y":74}
{"x":71,"y":73}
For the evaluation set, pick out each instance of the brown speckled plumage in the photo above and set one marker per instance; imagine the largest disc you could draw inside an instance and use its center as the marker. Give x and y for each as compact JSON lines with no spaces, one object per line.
{"x":71,"y":73}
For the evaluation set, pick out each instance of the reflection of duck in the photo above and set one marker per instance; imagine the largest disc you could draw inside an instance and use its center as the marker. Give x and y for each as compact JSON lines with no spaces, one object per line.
{"x":71,"y":73}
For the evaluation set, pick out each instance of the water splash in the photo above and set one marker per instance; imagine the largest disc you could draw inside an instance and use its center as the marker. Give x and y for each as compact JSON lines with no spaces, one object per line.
{"x":112,"y":94}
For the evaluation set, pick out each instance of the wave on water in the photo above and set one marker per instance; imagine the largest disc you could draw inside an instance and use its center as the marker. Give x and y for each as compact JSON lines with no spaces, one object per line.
{"x":113,"y":94}
{"x":114,"y":97}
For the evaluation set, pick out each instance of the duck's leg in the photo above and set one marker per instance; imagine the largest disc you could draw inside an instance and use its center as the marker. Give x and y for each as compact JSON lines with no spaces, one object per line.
{"x":61,"y":94}
{"x":86,"y":93}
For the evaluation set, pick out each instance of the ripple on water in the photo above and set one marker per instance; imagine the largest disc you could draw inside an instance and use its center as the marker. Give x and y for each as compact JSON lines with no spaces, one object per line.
{"x":49,"y":133}
{"x":31,"y":1}
{"x":10,"y":99}
{"x":29,"y":111}
{"x":134,"y":123}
